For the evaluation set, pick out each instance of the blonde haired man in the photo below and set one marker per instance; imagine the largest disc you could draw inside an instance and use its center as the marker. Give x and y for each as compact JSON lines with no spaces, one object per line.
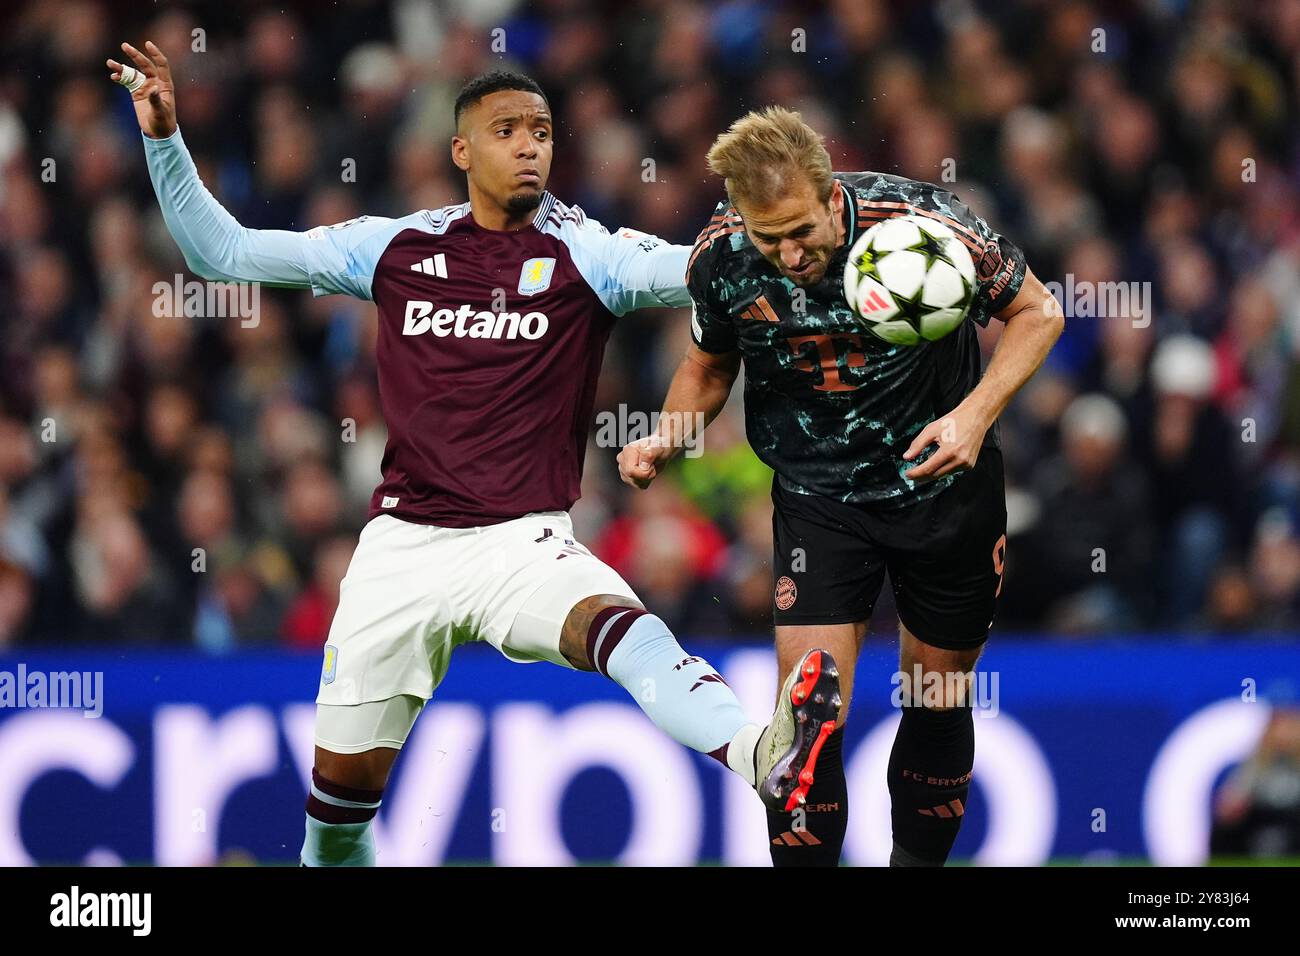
{"x":845,"y":420}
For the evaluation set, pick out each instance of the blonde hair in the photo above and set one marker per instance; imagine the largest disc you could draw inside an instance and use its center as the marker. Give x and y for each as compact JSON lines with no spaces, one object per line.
{"x":760,"y":153}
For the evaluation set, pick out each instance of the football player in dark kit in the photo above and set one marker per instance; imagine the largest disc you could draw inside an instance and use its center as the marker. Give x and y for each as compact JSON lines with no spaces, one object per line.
{"x":845,"y":420}
{"x":493,"y":316}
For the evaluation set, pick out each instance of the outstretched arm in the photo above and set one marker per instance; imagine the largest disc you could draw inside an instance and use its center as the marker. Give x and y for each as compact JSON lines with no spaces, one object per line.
{"x":213,"y":242}
{"x":628,"y":269}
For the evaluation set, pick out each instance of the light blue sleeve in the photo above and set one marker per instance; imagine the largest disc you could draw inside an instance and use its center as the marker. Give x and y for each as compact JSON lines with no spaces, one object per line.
{"x":628,"y":269}
{"x":327,"y":259}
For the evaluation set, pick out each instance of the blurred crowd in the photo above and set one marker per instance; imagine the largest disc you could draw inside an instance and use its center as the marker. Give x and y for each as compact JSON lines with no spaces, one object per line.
{"x":201,"y":480}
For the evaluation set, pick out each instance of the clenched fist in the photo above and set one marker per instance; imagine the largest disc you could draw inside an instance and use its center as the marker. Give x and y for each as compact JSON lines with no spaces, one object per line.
{"x":639,"y":461}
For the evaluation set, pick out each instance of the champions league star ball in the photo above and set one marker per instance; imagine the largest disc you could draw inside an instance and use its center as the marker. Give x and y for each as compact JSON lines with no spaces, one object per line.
{"x":910,"y":279}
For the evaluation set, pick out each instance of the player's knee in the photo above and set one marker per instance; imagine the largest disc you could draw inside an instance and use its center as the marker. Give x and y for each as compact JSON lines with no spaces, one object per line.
{"x":916,"y":650}
{"x":356,"y":744}
{"x":937,"y":689}
{"x":585,"y":625}
{"x":936,"y":677}
{"x":364,"y":771}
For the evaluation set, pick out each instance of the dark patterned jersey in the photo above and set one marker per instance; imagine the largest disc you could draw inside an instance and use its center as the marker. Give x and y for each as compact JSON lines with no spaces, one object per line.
{"x":828,"y":405}
{"x":490,"y":342}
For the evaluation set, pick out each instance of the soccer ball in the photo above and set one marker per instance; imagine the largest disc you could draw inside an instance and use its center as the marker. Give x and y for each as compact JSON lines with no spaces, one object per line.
{"x":909,"y":279}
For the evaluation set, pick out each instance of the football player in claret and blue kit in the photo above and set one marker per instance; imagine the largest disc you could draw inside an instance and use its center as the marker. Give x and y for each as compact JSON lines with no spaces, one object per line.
{"x":493,"y":317}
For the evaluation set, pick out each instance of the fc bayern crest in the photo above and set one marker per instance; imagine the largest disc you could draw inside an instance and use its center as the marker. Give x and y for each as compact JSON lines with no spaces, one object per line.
{"x":535,"y":276}
{"x":786,"y":593}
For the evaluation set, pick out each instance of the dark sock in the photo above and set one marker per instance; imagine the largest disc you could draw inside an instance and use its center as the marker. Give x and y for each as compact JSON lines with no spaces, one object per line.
{"x":929,"y":780}
{"x":818,"y":841}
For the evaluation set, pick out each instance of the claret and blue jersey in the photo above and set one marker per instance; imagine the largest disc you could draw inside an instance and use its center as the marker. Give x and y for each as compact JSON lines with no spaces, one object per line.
{"x":490,"y":342}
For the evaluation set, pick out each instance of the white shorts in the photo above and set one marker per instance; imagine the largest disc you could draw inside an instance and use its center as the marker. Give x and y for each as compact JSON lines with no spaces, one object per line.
{"x":414,"y":592}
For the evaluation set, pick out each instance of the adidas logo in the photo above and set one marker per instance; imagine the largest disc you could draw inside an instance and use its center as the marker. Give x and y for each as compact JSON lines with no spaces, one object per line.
{"x":432,"y":266}
{"x":873,"y":301}
{"x":707,"y":678}
{"x":953,"y":808}
{"x":796,"y":838}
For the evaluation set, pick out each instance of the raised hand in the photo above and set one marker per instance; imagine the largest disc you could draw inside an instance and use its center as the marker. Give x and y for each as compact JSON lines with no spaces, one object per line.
{"x":155,"y":99}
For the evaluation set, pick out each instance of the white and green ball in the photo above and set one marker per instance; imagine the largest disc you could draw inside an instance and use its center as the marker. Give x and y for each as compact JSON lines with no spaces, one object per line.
{"x":910,"y":279}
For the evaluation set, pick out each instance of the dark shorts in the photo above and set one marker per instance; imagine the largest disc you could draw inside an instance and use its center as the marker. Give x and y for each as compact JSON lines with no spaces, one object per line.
{"x":944,"y":557}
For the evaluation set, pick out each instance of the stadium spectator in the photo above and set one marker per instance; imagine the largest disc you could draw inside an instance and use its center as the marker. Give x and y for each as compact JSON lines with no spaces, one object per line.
{"x":1093,"y":542}
{"x":1257,"y":809}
